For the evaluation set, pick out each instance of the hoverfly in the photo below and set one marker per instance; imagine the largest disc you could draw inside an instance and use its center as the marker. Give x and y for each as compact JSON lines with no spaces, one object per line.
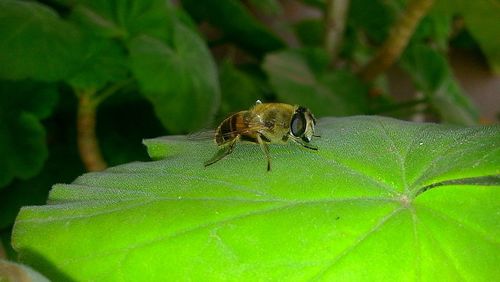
{"x":263,"y":124}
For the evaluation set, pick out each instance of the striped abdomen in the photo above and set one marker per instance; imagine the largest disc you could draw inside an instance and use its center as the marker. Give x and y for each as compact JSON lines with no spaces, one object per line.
{"x":231,"y":127}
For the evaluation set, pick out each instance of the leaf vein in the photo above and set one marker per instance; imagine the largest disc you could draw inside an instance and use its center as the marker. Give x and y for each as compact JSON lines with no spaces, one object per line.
{"x":64,"y":206}
{"x":398,"y":154}
{"x":378,"y":183}
{"x":444,"y":153}
{"x":357,"y":243}
{"x":462,"y":225}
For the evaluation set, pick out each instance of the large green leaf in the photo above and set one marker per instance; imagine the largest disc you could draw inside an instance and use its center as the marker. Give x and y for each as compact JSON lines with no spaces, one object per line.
{"x":22,"y":142}
{"x":36,"y":43}
{"x":181,"y":81}
{"x":381,"y":199}
{"x":301,"y":77}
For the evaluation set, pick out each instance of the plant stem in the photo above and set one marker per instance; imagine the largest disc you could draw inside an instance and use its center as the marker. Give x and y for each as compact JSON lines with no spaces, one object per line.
{"x":335,"y":16}
{"x":87,"y":140}
{"x":3,"y":254}
{"x":111,"y":90}
{"x":88,"y":145}
{"x":398,"y":38}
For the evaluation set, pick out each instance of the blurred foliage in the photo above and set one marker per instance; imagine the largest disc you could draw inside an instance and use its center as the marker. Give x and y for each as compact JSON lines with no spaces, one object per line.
{"x":152,"y":72}
{"x":302,"y":77}
{"x":22,"y":105}
{"x":237,"y":24}
{"x":432,"y":75}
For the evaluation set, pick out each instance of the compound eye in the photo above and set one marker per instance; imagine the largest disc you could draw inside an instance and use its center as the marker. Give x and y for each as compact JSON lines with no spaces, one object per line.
{"x":298,"y":125}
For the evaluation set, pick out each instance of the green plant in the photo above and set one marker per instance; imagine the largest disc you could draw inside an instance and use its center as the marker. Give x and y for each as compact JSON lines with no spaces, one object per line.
{"x":82,"y":82}
{"x":382,"y":199}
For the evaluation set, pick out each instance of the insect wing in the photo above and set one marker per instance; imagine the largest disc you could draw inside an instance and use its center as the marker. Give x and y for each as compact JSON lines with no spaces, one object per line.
{"x":204,"y":134}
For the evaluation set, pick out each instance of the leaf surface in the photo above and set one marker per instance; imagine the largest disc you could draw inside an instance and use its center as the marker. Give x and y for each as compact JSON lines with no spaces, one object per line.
{"x":381,"y":199}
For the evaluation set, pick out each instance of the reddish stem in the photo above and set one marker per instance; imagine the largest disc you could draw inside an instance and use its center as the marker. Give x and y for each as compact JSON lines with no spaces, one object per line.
{"x":87,"y":140}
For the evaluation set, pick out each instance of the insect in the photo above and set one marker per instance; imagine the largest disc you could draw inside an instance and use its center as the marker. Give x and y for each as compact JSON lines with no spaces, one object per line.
{"x":263,"y":124}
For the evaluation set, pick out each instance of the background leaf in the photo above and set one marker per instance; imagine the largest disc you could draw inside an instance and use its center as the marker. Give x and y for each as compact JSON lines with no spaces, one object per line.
{"x":22,"y":105}
{"x":36,"y":43}
{"x":481,"y":19}
{"x":373,"y":17}
{"x":236,"y":23}
{"x":310,"y":32}
{"x":104,"y":61}
{"x":121,"y":133}
{"x":181,"y":80}
{"x":381,"y":199}
{"x":301,"y":77}
{"x":239,"y":89}
{"x":432,"y":75}
{"x":269,"y":7}
{"x":435,"y":27}
{"x":124,"y":19}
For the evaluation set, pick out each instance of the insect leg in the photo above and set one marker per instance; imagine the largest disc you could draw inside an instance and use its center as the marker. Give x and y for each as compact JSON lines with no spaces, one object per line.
{"x":265,"y":149}
{"x":222,"y":152}
{"x":311,"y":147}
